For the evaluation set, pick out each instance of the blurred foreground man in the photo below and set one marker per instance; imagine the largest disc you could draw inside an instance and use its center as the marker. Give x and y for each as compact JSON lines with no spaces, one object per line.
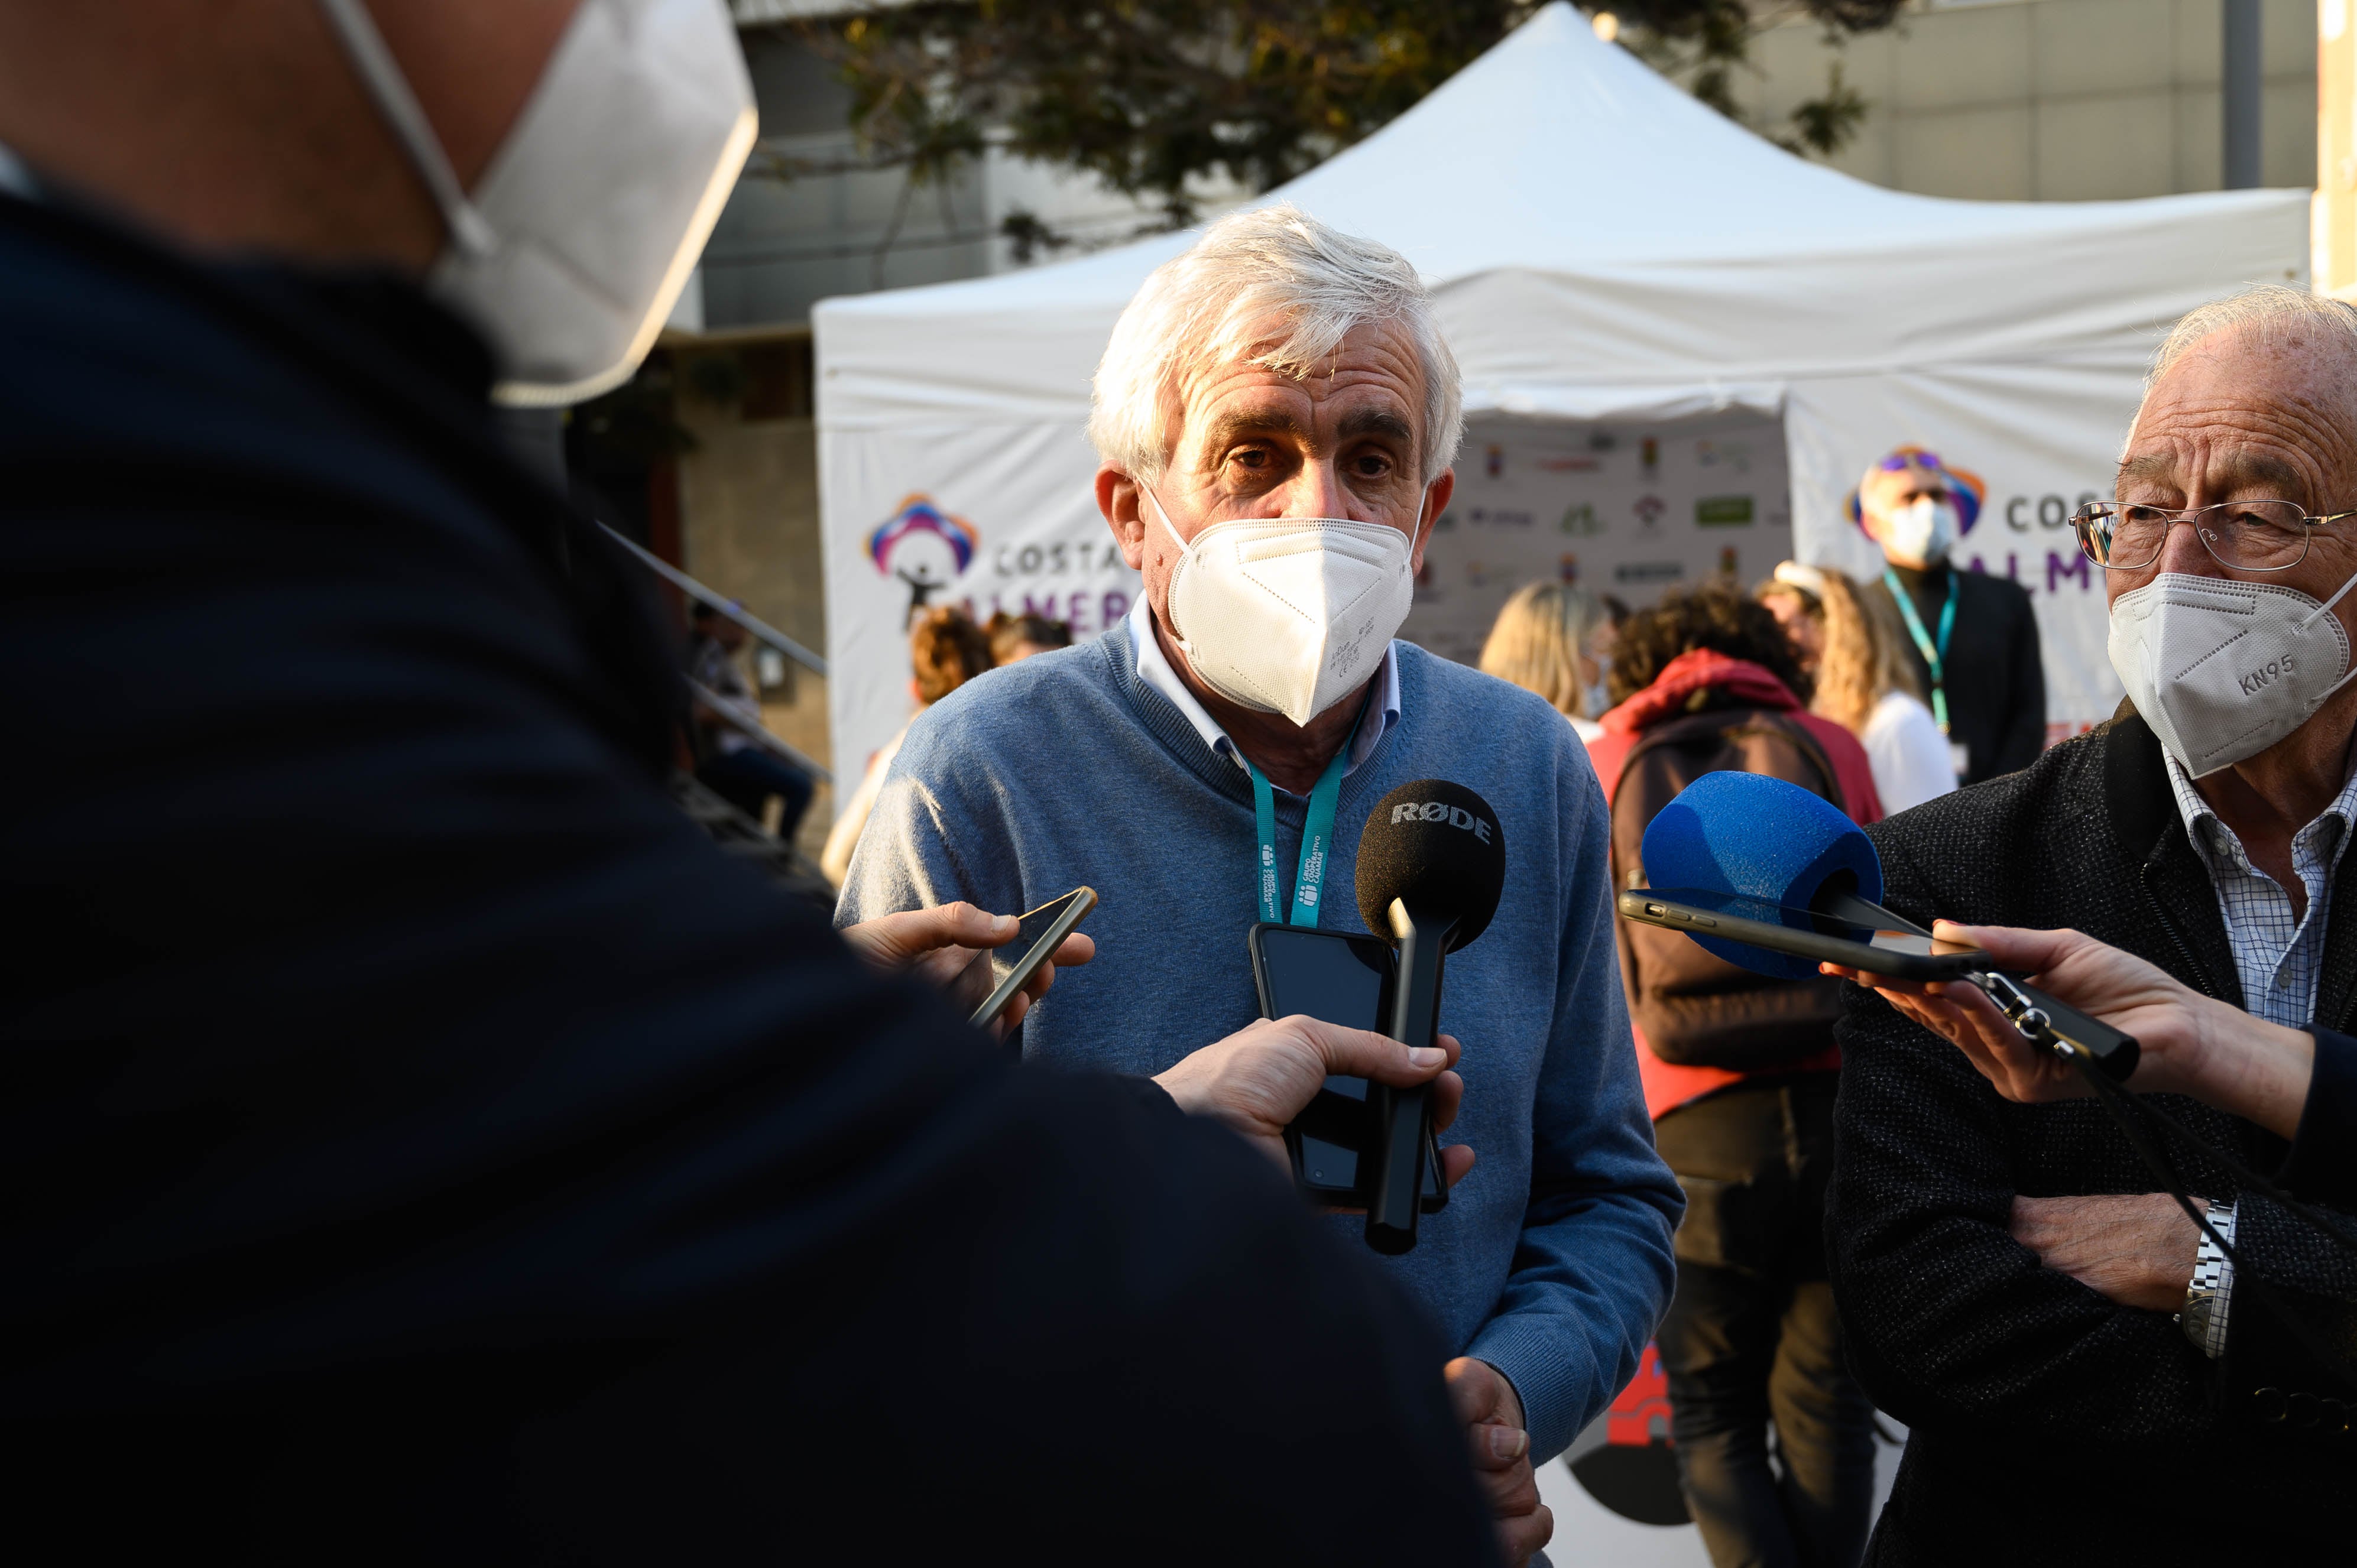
{"x":1276,"y":417}
{"x":2086,"y":1380}
{"x":422,"y":1145}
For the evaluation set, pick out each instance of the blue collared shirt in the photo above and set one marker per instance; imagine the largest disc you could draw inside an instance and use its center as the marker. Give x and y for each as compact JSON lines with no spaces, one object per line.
{"x":2277,"y":955}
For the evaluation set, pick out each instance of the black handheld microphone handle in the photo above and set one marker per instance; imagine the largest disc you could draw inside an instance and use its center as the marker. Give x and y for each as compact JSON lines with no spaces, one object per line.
{"x":1432,"y":864}
{"x":1402,"y":1117}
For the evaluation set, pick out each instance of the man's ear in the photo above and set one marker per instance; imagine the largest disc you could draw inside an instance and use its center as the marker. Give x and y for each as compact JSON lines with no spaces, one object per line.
{"x":1436,"y":502}
{"x":1118,"y":497}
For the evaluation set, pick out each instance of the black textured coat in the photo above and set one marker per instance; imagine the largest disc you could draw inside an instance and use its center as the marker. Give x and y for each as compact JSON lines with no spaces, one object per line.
{"x":2049,"y":1425}
{"x":420,"y":1143}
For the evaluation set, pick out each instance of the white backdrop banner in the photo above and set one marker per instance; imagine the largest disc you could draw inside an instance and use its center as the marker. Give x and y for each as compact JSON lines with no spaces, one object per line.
{"x":1003,"y":518}
{"x":1622,"y":508}
{"x":986,"y":519}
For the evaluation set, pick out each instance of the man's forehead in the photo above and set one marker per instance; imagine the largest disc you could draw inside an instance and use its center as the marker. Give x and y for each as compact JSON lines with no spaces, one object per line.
{"x":2222,"y":466}
{"x":2239,"y":409}
{"x":1361,"y":395}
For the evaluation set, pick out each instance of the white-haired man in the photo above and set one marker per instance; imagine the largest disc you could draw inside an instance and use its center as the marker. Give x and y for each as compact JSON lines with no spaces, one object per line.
{"x":1276,"y":413}
{"x":2085,"y":1380}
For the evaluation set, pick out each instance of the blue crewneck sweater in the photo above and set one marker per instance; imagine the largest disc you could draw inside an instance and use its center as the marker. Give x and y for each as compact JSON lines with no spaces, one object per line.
{"x":1552,"y":1259}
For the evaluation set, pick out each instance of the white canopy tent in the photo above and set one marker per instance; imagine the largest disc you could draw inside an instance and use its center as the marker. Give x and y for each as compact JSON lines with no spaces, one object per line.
{"x":1603,"y":249}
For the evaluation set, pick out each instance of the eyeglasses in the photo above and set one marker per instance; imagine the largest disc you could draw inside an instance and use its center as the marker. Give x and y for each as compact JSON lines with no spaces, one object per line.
{"x":2248,"y":536}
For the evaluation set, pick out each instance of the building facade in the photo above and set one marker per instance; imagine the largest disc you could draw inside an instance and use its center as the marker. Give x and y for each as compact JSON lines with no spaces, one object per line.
{"x":2049,"y":100}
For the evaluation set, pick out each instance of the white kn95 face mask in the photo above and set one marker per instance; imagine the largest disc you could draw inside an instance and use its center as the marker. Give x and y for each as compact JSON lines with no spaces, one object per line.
{"x":576,"y":242}
{"x":2222,"y":669}
{"x":1920,"y":532}
{"x":1287,"y":614}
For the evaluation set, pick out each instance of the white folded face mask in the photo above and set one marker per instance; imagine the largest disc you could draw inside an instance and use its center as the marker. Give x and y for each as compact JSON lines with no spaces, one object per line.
{"x":1287,"y":614}
{"x":583,"y":230}
{"x":2221,"y":669}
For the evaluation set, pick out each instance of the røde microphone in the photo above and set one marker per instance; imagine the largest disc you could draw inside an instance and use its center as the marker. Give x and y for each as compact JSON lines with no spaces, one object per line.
{"x":1766,"y":839}
{"x":1432,"y":861}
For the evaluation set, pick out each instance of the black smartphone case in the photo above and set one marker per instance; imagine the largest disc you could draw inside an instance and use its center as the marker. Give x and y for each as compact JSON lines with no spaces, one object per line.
{"x":1340,"y":1116}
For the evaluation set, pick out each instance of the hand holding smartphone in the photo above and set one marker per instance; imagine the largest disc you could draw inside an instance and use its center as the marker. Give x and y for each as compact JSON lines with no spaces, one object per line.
{"x":960,"y":951}
{"x":1038,"y":936}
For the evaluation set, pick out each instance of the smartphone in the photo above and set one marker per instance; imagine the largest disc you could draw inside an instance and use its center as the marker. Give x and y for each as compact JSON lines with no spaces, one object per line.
{"x":1041,"y":933}
{"x":1805,"y":933}
{"x":1341,"y":978}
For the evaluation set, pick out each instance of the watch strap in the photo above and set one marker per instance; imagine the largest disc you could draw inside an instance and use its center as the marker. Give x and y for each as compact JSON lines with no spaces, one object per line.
{"x":2210,"y":1295}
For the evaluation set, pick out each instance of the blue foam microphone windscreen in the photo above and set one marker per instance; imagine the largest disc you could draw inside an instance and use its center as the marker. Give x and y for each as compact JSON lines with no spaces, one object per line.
{"x":1763,"y":838}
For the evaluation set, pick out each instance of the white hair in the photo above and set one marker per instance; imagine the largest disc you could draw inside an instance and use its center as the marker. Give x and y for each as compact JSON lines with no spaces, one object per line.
{"x":2268,"y":314}
{"x":1272,"y":287}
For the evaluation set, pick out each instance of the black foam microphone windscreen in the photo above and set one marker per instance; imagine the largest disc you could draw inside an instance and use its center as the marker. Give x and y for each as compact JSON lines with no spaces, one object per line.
{"x":1439,"y":846}
{"x":1431,"y":863}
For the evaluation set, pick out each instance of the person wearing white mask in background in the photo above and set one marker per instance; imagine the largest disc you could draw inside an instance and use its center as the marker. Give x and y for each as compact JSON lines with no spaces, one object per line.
{"x":2016,"y":1268}
{"x":1276,"y":415}
{"x":1972,"y":638}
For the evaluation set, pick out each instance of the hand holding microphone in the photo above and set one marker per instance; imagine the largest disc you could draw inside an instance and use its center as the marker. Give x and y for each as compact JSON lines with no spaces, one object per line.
{"x":1259,"y":1078}
{"x":2193,"y":1043}
{"x":1784,"y":881}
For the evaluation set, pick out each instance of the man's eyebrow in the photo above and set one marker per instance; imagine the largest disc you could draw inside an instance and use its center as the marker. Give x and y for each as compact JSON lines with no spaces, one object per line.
{"x":2263,"y":469}
{"x":1229,"y":427}
{"x":2153,"y":466}
{"x":1376,"y":422}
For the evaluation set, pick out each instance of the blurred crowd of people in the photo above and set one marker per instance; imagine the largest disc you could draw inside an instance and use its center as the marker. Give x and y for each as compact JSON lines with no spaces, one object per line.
{"x":1931,"y":713}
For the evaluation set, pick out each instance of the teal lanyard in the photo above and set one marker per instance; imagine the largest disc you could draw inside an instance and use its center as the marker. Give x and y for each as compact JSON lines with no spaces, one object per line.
{"x":1934,"y":654}
{"x":1316,"y":837}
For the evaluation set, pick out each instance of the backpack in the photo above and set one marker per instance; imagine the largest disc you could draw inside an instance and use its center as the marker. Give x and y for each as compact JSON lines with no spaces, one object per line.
{"x":1694,"y":1008}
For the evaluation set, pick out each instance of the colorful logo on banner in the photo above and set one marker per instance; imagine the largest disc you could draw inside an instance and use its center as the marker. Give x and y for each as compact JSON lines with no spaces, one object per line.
{"x":1971,"y":490}
{"x":927,"y":548}
{"x":1634,"y":1471}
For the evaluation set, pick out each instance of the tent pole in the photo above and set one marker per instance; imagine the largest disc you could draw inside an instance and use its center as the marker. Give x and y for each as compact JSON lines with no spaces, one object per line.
{"x":2239,"y":98}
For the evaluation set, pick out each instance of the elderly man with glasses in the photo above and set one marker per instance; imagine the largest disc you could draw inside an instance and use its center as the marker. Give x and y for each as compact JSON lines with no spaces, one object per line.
{"x":2084,"y":1379}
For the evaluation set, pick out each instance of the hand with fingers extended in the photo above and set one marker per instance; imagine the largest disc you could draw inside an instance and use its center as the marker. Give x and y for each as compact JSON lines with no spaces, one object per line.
{"x":2192,"y":1044}
{"x":1491,"y":1412}
{"x":948,"y":947}
{"x":1259,"y":1078}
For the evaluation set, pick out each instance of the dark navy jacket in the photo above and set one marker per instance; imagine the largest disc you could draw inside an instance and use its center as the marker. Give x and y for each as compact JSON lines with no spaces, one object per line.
{"x":418,"y":1142}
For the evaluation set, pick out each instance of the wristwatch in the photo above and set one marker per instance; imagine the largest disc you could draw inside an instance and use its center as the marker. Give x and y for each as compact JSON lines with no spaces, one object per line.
{"x":2212,"y":1291}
